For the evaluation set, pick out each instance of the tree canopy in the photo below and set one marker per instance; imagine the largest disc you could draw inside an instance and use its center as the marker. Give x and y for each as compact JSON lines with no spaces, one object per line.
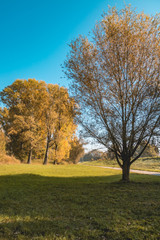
{"x":38,"y":117}
{"x":116,"y":82}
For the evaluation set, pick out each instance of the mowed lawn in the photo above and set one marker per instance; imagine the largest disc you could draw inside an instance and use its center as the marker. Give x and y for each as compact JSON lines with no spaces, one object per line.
{"x":77,"y":202}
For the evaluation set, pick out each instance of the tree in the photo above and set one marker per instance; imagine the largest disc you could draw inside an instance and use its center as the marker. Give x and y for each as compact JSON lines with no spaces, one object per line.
{"x":116,"y":82}
{"x":59,"y":120}
{"x":76,"y":151}
{"x":150,"y":151}
{"x":21,"y":118}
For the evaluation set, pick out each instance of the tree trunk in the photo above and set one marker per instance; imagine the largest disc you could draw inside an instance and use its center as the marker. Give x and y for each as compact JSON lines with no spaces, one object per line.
{"x":125,"y":171}
{"x":55,"y":161}
{"x":46,"y":153}
{"x":29,"y":157}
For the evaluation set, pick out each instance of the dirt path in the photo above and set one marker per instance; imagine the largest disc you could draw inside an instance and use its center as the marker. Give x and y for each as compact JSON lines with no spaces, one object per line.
{"x":134,"y":171}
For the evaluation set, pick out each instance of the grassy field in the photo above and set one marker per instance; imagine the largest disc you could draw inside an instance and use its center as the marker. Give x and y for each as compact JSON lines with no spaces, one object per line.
{"x":76,"y":202}
{"x":146,"y":163}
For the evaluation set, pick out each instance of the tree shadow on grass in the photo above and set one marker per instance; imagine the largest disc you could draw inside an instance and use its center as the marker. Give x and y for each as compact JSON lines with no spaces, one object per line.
{"x":38,"y":207}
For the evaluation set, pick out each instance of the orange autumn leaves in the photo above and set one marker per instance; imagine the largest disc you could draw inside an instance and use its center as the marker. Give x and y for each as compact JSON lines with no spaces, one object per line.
{"x":38,"y":119}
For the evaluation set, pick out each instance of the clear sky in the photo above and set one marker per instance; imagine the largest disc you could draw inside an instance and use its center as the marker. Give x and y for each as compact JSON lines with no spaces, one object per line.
{"x":34,"y":34}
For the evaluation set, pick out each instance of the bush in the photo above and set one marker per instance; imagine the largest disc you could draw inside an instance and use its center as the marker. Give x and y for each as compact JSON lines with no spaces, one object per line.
{"x":5,"y":159}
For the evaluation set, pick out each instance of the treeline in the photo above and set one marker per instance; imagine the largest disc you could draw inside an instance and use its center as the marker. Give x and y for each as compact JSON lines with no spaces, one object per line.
{"x":151,"y":151}
{"x":38,"y":121}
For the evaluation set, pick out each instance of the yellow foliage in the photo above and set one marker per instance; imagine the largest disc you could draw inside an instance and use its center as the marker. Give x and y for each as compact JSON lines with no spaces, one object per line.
{"x":38,"y":114}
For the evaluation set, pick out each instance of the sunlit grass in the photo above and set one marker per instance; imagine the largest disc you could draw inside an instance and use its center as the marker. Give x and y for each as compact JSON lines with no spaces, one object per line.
{"x":77,"y":202}
{"x":147,"y":164}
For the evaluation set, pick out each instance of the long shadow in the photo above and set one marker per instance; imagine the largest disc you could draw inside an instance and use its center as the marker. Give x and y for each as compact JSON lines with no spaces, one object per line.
{"x":38,"y":207}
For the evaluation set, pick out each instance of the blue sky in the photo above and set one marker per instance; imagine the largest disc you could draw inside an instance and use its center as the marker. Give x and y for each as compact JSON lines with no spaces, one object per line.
{"x":35,"y":34}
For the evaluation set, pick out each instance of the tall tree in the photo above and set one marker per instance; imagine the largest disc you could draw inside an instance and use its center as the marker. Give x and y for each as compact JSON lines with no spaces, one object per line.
{"x":116,"y":81}
{"x":59,"y":120}
{"x":21,"y":118}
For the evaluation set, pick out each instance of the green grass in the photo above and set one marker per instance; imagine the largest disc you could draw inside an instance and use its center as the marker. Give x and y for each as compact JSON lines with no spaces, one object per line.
{"x":77,"y":203}
{"x":146,"y":163}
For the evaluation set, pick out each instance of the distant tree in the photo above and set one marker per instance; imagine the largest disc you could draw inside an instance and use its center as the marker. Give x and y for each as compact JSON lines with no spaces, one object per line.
{"x":116,"y":82}
{"x":76,"y":151}
{"x":150,"y":151}
{"x":93,"y":155}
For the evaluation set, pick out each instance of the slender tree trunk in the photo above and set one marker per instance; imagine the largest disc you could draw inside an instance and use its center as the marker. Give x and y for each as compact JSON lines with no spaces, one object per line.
{"x":55,"y":161}
{"x":125,"y":170}
{"x":46,"y":153}
{"x":29,"y":157}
